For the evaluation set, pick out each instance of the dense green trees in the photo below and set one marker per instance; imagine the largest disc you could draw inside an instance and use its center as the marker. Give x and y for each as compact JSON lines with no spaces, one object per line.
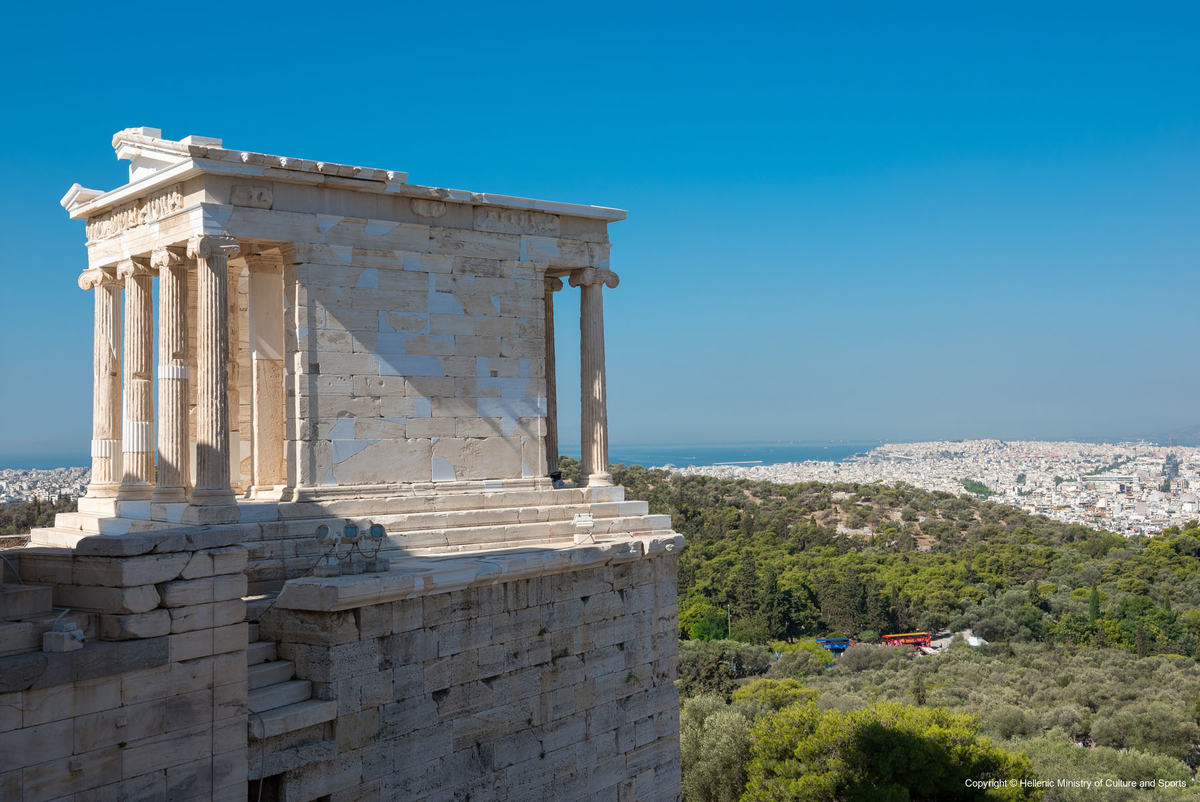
{"x":885,"y":752}
{"x":1093,"y":641}
{"x":1143,"y":715}
{"x":19,"y":517}
{"x":767,"y":562}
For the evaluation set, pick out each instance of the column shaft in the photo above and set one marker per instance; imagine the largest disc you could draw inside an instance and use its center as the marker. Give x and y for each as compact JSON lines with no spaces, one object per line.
{"x":593,"y":394}
{"x":106,"y":382}
{"x":234,"y":388}
{"x":137,"y":451}
{"x":173,"y":457}
{"x":268,"y":430}
{"x":553,"y":285}
{"x":212,"y":498}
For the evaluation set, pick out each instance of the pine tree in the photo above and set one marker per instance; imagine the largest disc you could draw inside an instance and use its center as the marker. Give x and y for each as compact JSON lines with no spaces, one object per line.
{"x":1143,"y":645}
{"x":1094,"y":602}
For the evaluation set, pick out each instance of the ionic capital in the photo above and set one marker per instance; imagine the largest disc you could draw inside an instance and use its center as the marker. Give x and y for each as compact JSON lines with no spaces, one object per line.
{"x":95,"y":277}
{"x":553,"y":284}
{"x":594,"y":275}
{"x":165,"y":257}
{"x":134,"y":268}
{"x":207,"y":246}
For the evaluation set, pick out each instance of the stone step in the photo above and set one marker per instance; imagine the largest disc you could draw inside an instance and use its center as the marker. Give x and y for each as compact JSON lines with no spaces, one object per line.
{"x":54,"y":538}
{"x":25,"y":601}
{"x":292,"y":717}
{"x":508,"y":514}
{"x":97,"y":525}
{"x":17,"y":637}
{"x":260,"y":652}
{"x":478,"y":499}
{"x":252,"y":632}
{"x":280,"y":694}
{"x":272,"y":673}
{"x":521,"y":533}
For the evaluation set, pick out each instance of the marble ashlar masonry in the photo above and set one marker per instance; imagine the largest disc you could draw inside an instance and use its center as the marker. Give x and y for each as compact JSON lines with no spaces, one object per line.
{"x":338,"y":352}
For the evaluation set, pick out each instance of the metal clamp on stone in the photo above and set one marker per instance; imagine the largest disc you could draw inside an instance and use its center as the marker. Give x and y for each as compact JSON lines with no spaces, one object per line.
{"x":365,"y":541}
{"x":328,"y":564}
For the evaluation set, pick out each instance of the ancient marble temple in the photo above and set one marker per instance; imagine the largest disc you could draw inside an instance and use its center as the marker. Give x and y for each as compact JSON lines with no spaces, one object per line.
{"x":326,"y":551}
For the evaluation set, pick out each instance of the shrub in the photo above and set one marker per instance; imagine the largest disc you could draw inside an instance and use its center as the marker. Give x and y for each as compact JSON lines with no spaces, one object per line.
{"x":774,"y":694}
{"x":861,"y":657}
{"x":714,"y":745}
{"x":884,"y":752}
{"x":796,"y":664}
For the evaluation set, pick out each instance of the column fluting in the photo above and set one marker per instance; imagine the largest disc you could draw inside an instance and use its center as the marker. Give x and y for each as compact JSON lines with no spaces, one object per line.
{"x":592,"y":381}
{"x":137,"y":433}
{"x":212,"y":497}
{"x":106,"y":382}
{"x":173,"y":457}
{"x":553,"y":285}
{"x":233,"y":365}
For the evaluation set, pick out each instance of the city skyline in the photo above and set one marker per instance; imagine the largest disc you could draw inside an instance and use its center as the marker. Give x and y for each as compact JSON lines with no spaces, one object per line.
{"x":907,"y":224}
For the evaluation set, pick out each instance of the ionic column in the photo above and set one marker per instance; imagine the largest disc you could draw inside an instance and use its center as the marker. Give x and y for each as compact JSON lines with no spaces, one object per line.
{"x":553,"y":285}
{"x":267,"y":401}
{"x":106,"y":382}
{"x":137,"y":441}
{"x":234,"y":369}
{"x":173,"y":456}
{"x":212,"y":497}
{"x":594,"y":402}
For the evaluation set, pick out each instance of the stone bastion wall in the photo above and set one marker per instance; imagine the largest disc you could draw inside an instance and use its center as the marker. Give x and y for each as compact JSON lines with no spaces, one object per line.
{"x":536,"y":673}
{"x":557,"y":686}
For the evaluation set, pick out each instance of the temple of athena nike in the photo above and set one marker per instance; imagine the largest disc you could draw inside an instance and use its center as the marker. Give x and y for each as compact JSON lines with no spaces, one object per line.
{"x":326,"y":551}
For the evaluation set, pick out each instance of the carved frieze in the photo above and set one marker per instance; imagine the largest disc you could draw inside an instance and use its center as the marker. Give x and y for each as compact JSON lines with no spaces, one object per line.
{"x":251,"y":196}
{"x":513,"y":221}
{"x":428,"y":208}
{"x":137,"y":213}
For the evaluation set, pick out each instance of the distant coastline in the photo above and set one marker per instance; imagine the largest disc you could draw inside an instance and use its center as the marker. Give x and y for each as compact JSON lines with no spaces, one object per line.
{"x":691,"y":454}
{"x":647,"y":455}
{"x":44,"y":460}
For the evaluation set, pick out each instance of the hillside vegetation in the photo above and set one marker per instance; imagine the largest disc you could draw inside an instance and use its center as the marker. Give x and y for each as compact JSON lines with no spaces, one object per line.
{"x":774,"y":562}
{"x":1093,"y":639}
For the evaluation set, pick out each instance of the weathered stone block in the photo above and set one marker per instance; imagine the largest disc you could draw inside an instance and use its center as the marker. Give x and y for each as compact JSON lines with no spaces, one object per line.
{"x":135,"y":626}
{"x":149,"y":569}
{"x":112,"y":600}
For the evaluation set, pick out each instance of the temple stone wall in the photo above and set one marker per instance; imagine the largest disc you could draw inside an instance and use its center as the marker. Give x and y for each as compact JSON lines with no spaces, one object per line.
{"x":557,"y":687}
{"x":416,"y":366}
{"x":155,"y":707}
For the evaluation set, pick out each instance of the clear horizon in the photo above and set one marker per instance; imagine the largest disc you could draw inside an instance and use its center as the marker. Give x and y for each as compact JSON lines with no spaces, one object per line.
{"x":905,"y":223}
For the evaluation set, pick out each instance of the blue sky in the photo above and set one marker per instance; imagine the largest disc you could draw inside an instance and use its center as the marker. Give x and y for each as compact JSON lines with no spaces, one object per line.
{"x":897,"y":221}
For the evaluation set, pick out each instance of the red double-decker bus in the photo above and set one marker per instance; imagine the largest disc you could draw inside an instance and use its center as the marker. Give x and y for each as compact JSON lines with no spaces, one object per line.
{"x":913,"y":639}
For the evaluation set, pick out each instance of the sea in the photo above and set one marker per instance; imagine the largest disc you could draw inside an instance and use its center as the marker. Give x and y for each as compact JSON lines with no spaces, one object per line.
{"x":45,"y":460}
{"x":767,"y":453}
{"x":648,"y":455}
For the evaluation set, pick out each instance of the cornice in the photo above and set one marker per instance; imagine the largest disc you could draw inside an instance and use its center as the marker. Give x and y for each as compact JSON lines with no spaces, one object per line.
{"x":156,"y":162}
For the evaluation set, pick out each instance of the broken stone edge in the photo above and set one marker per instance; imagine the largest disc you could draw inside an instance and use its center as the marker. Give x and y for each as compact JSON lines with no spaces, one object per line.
{"x":423,"y":576}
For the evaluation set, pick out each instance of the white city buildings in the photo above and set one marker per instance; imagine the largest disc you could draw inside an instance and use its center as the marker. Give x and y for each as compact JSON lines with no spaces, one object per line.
{"x":1114,"y":486}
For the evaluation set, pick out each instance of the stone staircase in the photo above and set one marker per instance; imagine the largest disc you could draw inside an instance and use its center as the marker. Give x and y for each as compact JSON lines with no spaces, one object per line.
{"x":27,"y":611}
{"x":421,"y":534}
{"x":279,"y":701}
